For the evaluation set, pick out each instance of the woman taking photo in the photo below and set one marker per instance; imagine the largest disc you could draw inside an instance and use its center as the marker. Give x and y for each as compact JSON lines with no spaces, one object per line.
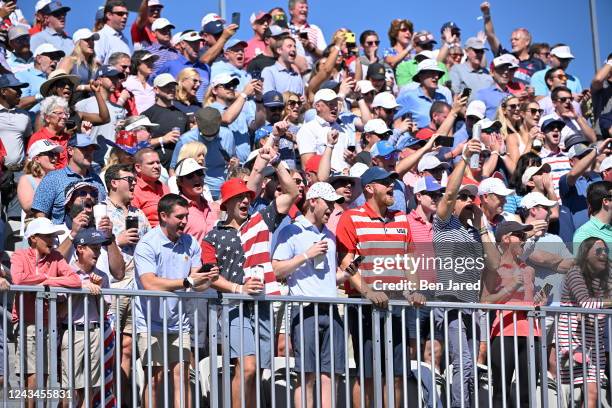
{"x":82,"y":62}
{"x":138,"y":82}
{"x":587,"y":285}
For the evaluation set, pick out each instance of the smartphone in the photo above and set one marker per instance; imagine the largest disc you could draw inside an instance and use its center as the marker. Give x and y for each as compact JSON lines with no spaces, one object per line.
{"x":350,"y":37}
{"x":466,"y":92}
{"x":407,"y":115}
{"x":545,"y":291}
{"x":357,"y":260}
{"x":207,"y":267}
{"x":236,"y":18}
{"x":256,"y":75}
{"x":131,"y":222}
{"x":444,"y":141}
{"x":304,"y":35}
{"x":351,"y":149}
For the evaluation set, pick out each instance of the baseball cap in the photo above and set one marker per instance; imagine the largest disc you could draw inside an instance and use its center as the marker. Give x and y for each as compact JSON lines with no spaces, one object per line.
{"x":427,"y":183}
{"x":505,"y":59}
{"x":326,"y":95}
{"x":47,"y":48}
{"x":325,"y":191}
{"x":10,"y":81}
{"x":424,"y":37}
{"x":262,"y":132}
{"x":42,"y":226}
{"x":152,"y":3}
{"x":562,"y":51}
{"x":235,"y":42}
{"x":273,"y":99}
{"x":274,"y":31}
{"x":163,"y":80}
{"x":475,"y":44}
{"x":476,"y":108}
{"x":377,"y":126}
{"x":575,"y":138}
{"x":176,"y":38}
{"x":550,"y":122}
{"x":40,"y":4}
{"x":208,"y":120}
{"x":187,"y":166}
{"x":578,"y":150}
{"x":108,"y":71}
{"x":468,"y":188}
{"x":430,"y":161}
{"x":606,"y":164}
{"x":449,"y":24}
{"x":382,"y":148}
{"x":409,"y":141}
{"x":91,"y":236}
{"x":84,"y":34}
{"x":214,"y":27}
{"x":376,"y":173}
{"x":385,"y":100}
{"x":223,"y":79}
{"x":259,"y":16}
{"x":493,"y":185}
{"x":75,"y":186}
{"x":233,"y":187}
{"x":43,"y":146}
{"x":487,"y":123}
{"x":427,"y":65}
{"x":16,"y":31}
{"x":508,"y":227}
{"x":365,"y":86}
{"x":54,"y":7}
{"x":357,"y":170}
{"x":211,"y":17}
{"x":339,"y":176}
{"x":82,"y":140}
{"x":141,"y":121}
{"x":376,"y":71}
{"x":329,"y":84}
{"x":423,"y":55}
{"x":189,"y":36}
{"x":533,"y":170}
{"x":312,"y":164}
{"x":160,"y":23}
{"x":536,"y":198}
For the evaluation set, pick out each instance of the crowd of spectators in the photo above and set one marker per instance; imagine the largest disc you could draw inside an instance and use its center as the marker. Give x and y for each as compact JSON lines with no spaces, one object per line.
{"x":166,"y":158}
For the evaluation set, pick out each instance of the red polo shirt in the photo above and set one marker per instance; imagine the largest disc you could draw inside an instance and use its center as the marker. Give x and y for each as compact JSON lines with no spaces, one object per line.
{"x":202,"y":217}
{"x":60,"y":139}
{"x":147,"y":196}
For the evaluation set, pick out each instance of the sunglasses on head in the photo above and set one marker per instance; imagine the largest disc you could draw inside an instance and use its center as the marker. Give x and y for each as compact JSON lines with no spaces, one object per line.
{"x":465,"y":197}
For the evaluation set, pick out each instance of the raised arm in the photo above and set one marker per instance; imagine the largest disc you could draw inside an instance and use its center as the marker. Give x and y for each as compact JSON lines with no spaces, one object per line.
{"x":489,"y":29}
{"x":143,"y":15}
{"x":408,"y":163}
{"x":289,"y":188}
{"x":213,"y":52}
{"x":601,"y":76}
{"x":103,"y":115}
{"x":324,"y":170}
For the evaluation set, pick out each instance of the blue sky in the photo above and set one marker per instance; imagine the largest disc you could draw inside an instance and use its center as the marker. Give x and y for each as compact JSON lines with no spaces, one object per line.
{"x":551,"y":21}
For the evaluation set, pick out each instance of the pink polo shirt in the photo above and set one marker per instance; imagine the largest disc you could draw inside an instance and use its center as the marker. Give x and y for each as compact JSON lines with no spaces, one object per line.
{"x":202,"y":217}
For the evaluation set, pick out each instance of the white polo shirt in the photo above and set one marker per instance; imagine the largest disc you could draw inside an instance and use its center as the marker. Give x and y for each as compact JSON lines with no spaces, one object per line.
{"x":312,"y":138}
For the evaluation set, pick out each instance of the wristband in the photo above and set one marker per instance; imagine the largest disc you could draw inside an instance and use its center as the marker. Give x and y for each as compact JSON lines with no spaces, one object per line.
{"x":245,"y":96}
{"x":305,"y":256}
{"x":338,"y":48}
{"x":38,"y":97}
{"x":483,"y":231}
{"x":331,"y":146}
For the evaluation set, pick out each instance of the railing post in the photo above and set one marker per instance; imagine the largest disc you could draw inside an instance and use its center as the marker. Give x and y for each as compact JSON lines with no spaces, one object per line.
{"x":531,"y":361}
{"x":213,"y":399}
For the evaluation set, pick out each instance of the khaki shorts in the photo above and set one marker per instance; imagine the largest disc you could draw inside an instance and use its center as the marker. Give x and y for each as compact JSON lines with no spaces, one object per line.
{"x":157,"y":347}
{"x":124,"y":320}
{"x":78,"y":361}
{"x":29,"y":350}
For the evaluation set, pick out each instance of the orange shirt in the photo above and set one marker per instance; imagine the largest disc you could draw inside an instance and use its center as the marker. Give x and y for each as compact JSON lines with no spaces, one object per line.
{"x":147,"y":196}
{"x":60,"y":139}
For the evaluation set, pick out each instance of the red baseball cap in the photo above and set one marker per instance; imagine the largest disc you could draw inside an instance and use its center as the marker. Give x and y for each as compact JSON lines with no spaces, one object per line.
{"x":233,"y":187}
{"x":312,"y":165}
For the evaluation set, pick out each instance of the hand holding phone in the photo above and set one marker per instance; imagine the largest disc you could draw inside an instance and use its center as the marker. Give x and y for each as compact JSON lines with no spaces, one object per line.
{"x":466,"y":92}
{"x":236,"y":18}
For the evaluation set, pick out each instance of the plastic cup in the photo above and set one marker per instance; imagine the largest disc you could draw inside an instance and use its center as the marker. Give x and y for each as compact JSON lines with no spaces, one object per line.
{"x":99,"y":211}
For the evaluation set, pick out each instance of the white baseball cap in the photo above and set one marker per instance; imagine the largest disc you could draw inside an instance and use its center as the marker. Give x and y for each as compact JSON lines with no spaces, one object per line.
{"x":84,"y":34}
{"x":536,"y":198}
{"x":141,"y":121}
{"x":222,"y":79}
{"x":189,"y":36}
{"x":43,"y":146}
{"x":505,"y":59}
{"x":562,"y":51}
{"x":151,"y":3}
{"x":326,"y":95}
{"x":487,"y":123}
{"x":493,"y":185}
{"x":430,"y":161}
{"x":606,"y":164}
{"x":40,"y":4}
{"x":476,"y":108}
{"x":176,"y":38}
{"x":325,"y":191}
{"x":210,"y":17}
{"x":385,"y":100}
{"x":160,"y":23}
{"x":532,"y":171}
{"x":164,"y":79}
{"x":47,"y":48}
{"x":358,"y":169}
{"x":377,"y":126}
{"x":187,"y":166}
{"x":42,"y":226}
{"x":365,"y":86}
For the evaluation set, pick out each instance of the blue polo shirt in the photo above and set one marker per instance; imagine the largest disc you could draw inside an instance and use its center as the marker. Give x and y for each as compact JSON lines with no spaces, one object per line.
{"x":48,"y":36}
{"x":50,"y":194}
{"x":222,"y":67}
{"x":574,"y":197}
{"x":280,"y":79}
{"x":35,"y":79}
{"x":417,"y":103}
{"x":492,"y":98}
{"x":174,"y":67}
{"x":156,"y":254}
{"x":240,"y":128}
{"x":164,"y":53}
{"x":219,"y":148}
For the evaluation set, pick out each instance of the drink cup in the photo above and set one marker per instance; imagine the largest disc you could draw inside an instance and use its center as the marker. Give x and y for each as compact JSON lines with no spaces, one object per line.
{"x":99,"y":211}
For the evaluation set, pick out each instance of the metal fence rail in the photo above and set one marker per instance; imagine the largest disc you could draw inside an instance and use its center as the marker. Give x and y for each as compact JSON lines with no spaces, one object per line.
{"x":443,"y":355}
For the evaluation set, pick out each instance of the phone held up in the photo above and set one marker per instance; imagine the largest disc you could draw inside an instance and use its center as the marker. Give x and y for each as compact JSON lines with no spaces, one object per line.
{"x":236,"y":18}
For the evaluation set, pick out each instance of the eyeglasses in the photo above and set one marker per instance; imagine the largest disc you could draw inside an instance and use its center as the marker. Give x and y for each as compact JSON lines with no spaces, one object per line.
{"x":195,"y":80}
{"x":120,"y":13}
{"x":564,"y":99}
{"x":465,"y":197}
{"x":84,"y":193}
{"x":298,"y":181}
{"x":561,"y":77}
{"x":293,"y":102}
{"x":602,"y":251}
{"x":129,"y":179}
{"x":197,"y":173}
{"x":60,"y":113}
{"x":533,"y":111}
{"x":370,"y":43}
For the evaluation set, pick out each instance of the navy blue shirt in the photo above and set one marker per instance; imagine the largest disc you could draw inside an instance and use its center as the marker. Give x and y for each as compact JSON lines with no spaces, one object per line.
{"x":174,"y":67}
{"x":574,"y":197}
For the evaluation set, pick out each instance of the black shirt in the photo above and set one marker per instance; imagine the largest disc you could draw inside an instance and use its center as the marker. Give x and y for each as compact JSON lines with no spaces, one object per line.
{"x":166,"y":118}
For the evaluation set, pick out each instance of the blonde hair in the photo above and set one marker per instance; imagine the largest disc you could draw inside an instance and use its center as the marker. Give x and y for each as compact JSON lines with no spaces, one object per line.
{"x":181,"y":95}
{"x":506,"y":126}
{"x":192,"y":150}
{"x":209,"y":97}
{"x":114,"y":157}
{"x":34,"y":168}
{"x":286,"y":96}
{"x":80,"y":59}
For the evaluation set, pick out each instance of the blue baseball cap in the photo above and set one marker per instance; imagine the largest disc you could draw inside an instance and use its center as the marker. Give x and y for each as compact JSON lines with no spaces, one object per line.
{"x":234,"y":42}
{"x":427,"y":183}
{"x":91,"y":236}
{"x":54,"y":7}
{"x":108,"y":72}
{"x":329,"y":84}
{"x":382,"y":148}
{"x":409,"y":141}
{"x":552,"y":121}
{"x":272,"y":99}
{"x":82,"y":140}
{"x":376,"y":174}
{"x":450,"y":24}
{"x":213,"y":27}
{"x":262,"y":132}
{"x":11,"y":81}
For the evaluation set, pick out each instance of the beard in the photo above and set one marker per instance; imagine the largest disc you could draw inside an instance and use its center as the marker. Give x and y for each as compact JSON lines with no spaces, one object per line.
{"x":76,"y":209}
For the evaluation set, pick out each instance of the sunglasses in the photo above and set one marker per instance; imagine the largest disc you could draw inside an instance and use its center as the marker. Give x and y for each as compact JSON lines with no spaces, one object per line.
{"x":490,"y":130}
{"x":561,"y":77}
{"x":602,"y":251}
{"x":434,"y":195}
{"x":293,"y":102}
{"x":298,"y":181}
{"x":370,"y":43}
{"x":564,"y":99}
{"x":390,"y":111}
{"x":520,"y":235}
{"x":84,"y":193}
{"x":49,"y":154}
{"x":120,"y":13}
{"x":275,"y":109}
{"x":553,"y":128}
{"x":533,"y":111}
{"x":465,"y":197}
{"x":385,"y":182}
{"x":197,"y":173}
{"x":129,"y":179}
{"x":512,"y":106}
{"x":229,"y":87}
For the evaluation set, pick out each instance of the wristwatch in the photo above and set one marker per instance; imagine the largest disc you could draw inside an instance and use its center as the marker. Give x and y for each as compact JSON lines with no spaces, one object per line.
{"x":188,"y":282}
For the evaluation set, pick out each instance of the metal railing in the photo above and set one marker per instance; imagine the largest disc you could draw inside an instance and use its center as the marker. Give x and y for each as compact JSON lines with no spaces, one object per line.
{"x":451,"y":358}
